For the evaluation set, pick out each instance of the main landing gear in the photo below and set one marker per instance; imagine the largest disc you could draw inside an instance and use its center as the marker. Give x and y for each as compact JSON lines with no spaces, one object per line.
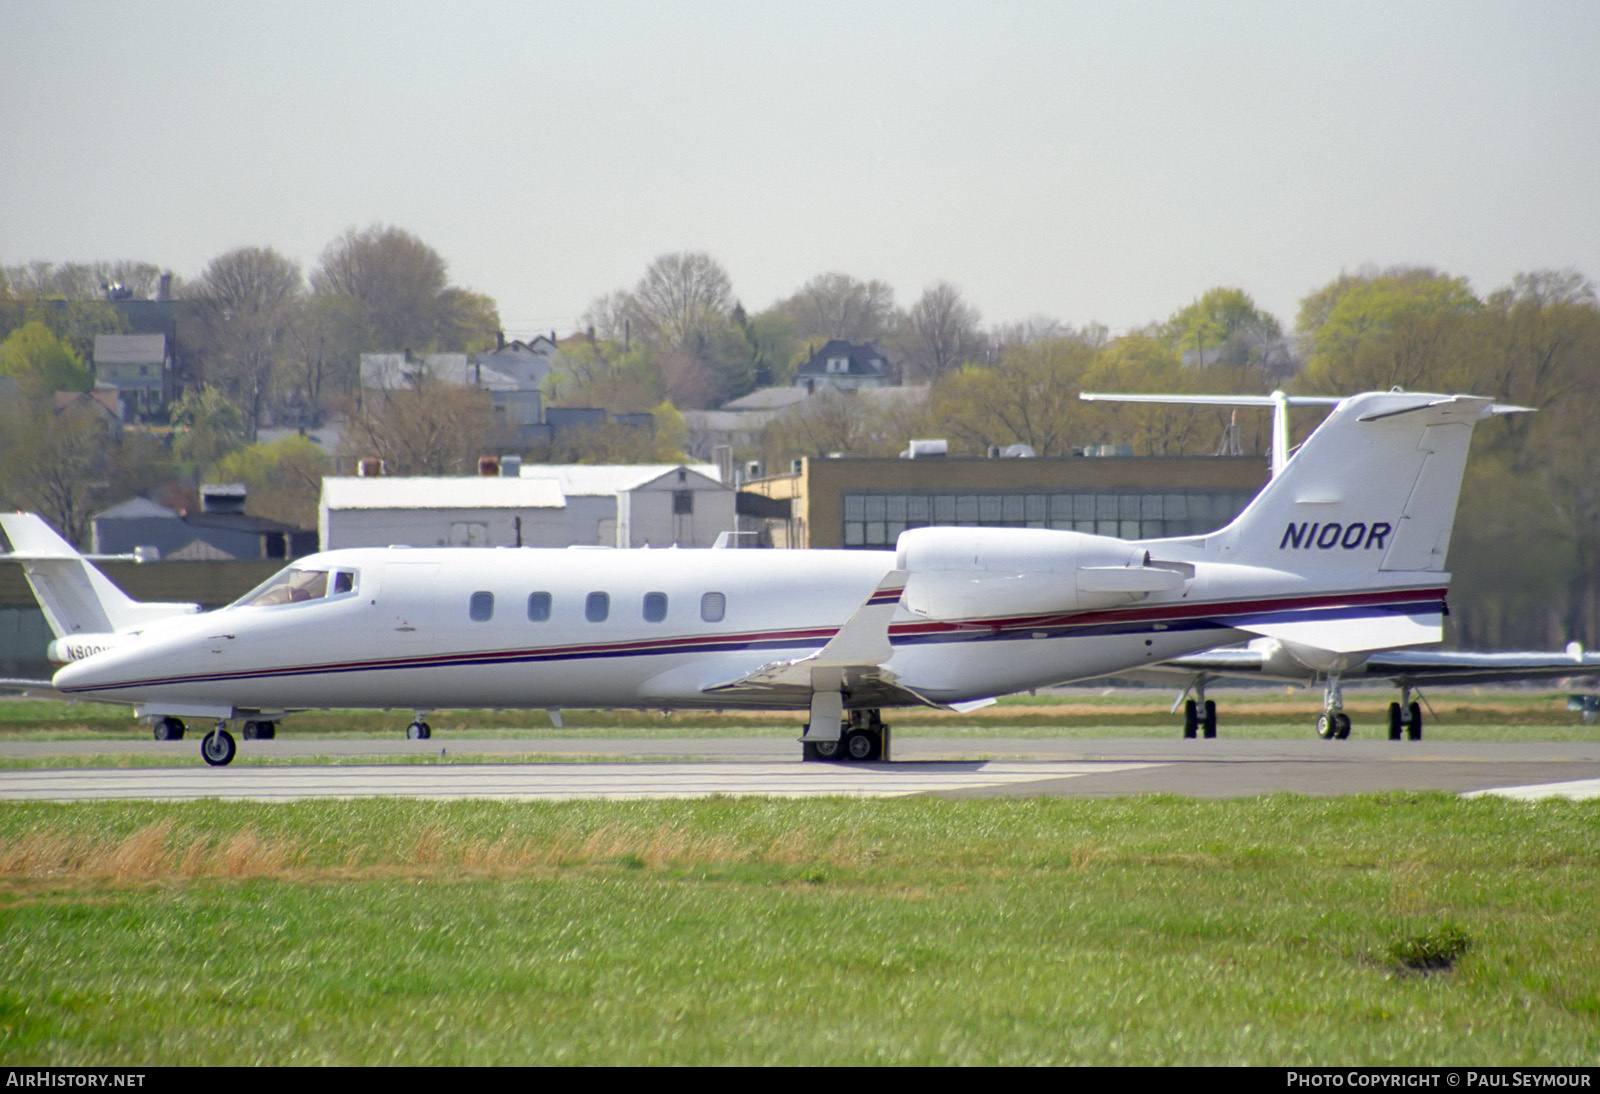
{"x":169,"y":729}
{"x":863,"y":737}
{"x":1405,"y":717}
{"x":1199,"y":713}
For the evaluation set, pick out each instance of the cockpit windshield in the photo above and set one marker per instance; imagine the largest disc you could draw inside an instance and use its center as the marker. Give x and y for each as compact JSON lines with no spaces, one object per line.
{"x":294,"y":585}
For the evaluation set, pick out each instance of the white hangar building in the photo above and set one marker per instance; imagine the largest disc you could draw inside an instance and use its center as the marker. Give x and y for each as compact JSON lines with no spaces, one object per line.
{"x":560,"y":505}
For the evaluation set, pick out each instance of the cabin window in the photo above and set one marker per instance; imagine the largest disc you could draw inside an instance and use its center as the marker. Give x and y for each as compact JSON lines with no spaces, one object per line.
{"x":596,"y":607}
{"x":538,"y":607}
{"x":655,"y":607}
{"x":713,"y":606}
{"x":481,"y":607}
{"x":344,"y":581}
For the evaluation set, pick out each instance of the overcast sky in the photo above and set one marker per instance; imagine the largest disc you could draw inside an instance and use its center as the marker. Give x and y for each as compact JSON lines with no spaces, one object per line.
{"x":1104,"y":161}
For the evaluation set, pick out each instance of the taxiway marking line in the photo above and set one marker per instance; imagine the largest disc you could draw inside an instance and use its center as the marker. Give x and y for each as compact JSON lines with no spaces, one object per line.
{"x":542,"y":782}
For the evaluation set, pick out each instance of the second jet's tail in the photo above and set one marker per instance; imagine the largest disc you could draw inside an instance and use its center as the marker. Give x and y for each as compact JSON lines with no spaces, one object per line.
{"x":77,"y":599}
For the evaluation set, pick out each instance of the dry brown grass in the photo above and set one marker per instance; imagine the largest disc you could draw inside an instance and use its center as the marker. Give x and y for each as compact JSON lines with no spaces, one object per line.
{"x":154,"y":853}
{"x":148,"y":854}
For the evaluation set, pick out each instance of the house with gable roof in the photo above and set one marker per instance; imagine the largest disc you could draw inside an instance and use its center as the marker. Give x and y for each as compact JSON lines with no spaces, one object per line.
{"x":845,"y":366}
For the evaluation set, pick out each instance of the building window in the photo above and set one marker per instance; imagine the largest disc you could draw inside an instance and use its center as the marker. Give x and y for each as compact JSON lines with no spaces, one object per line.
{"x":682,"y":502}
{"x":538,"y":607}
{"x":875,"y":521}
{"x":713,"y":606}
{"x":481,"y":607}
{"x":597,"y":607}
{"x":655,"y":607}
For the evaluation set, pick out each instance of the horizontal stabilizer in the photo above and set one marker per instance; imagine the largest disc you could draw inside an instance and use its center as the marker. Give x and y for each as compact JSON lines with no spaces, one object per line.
{"x":76,"y":598}
{"x":1355,"y":634}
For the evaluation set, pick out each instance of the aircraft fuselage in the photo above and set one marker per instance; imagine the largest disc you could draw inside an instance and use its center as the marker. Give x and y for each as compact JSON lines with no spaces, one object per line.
{"x":433,"y":628}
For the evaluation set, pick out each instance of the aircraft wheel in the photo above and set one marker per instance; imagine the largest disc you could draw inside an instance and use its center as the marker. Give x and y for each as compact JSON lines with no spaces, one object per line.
{"x":260,"y":731}
{"x":217,"y":747}
{"x":1191,"y":719}
{"x":1325,"y":727}
{"x":1209,"y":725}
{"x":1414,"y":723}
{"x":820,"y":750}
{"x":1396,"y":722}
{"x":169,"y":729}
{"x":1341,"y":726}
{"x":862,"y":745}
{"x":419,"y":731}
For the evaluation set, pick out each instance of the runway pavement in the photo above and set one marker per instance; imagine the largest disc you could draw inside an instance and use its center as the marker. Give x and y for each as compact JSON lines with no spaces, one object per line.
{"x":697,"y":767}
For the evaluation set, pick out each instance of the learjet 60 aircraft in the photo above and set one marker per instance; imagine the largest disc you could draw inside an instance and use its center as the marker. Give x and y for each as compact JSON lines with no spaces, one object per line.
{"x":1343,"y":549}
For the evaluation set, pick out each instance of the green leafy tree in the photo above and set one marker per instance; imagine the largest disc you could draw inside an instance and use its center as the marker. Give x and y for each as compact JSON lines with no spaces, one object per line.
{"x":206,"y":426}
{"x":1225,"y":325}
{"x":1029,"y":396}
{"x":284,"y":478}
{"x":41,"y":362}
{"x":1406,"y":327}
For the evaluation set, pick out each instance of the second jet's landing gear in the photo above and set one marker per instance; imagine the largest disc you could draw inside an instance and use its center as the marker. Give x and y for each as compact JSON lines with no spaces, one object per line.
{"x":1199,"y":713}
{"x":863,"y":736}
{"x":419,"y":730}
{"x":1405,"y":717}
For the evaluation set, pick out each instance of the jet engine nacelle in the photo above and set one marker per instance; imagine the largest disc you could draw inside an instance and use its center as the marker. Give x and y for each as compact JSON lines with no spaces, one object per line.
{"x":964,"y":573}
{"x":76,"y":647}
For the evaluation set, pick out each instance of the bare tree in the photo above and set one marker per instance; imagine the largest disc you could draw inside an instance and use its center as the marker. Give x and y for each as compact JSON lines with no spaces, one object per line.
{"x":939,"y":333}
{"x":432,"y":428}
{"x":682,"y":300}
{"x":247,"y":301}
{"x":836,"y":305}
{"x":395,"y":281}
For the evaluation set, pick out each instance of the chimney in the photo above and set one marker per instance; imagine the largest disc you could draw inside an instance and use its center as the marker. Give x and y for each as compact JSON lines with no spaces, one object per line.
{"x":222,"y":497}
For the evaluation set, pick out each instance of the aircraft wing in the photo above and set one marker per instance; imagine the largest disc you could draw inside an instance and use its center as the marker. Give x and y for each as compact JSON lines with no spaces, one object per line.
{"x":38,"y":689}
{"x":1415,"y":667}
{"x":1408,"y":667}
{"x":852,"y":661}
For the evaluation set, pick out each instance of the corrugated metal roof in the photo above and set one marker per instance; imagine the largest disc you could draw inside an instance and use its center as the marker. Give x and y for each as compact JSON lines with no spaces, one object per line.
{"x":348,"y":492}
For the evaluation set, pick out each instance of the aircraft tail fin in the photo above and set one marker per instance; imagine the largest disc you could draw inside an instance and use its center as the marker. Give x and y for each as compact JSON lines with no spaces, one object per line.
{"x":75,"y":596}
{"x":1374,"y":488}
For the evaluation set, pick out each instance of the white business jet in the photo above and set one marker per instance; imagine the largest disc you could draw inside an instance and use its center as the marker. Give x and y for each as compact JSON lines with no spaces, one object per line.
{"x":1347,"y":543}
{"x":1313,"y":662}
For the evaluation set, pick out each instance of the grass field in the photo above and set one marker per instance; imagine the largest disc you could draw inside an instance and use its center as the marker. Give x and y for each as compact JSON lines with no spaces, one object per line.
{"x":1404,"y":929}
{"x":1398,"y":929}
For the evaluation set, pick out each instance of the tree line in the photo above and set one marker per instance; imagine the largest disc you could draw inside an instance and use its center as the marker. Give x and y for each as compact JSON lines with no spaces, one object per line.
{"x":270,"y":343}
